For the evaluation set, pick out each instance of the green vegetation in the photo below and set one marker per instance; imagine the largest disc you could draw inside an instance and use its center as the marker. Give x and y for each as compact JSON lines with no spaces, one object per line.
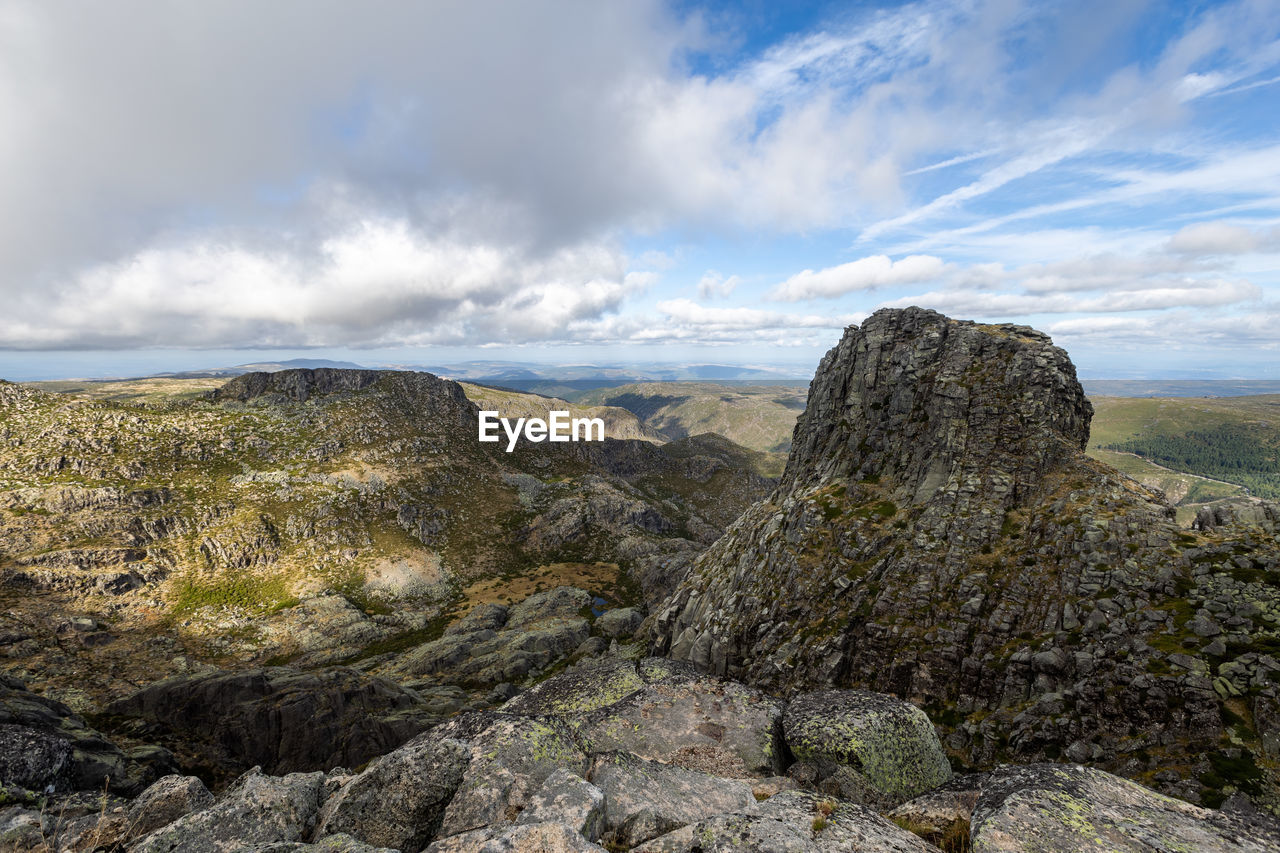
{"x":252,"y":593}
{"x":1236,"y":453}
{"x":1194,"y":450}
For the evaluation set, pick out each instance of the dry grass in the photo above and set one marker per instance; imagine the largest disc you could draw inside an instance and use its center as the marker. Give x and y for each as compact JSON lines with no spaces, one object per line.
{"x":593,"y":577}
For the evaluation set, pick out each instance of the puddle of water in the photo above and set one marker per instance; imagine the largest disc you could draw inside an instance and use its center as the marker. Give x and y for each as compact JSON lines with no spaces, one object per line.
{"x":598,"y":605}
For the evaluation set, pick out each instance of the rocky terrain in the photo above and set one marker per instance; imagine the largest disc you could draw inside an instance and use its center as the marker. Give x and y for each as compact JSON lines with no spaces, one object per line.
{"x":309,"y":612}
{"x":617,"y":753}
{"x":940,"y":535}
{"x":312,"y":517}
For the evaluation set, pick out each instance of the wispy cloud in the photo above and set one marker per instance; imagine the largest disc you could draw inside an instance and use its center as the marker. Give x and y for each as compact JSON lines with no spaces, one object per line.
{"x":864,"y":274}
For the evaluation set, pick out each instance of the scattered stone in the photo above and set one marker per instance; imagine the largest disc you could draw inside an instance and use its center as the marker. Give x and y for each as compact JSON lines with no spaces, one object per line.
{"x":257,"y":809}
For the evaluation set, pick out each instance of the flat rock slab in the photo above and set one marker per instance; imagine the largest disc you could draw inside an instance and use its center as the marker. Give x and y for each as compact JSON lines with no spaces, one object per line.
{"x":1063,"y":808}
{"x":587,"y":687}
{"x":791,"y":822}
{"x":644,"y":799}
{"x":714,"y":724}
{"x":522,"y":838}
{"x":888,"y":743}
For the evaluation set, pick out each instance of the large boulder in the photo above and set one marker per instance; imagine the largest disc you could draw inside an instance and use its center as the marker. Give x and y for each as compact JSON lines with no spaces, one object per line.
{"x":511,"y":758}
{"x":166,"y":800}
{"x":257,"y":809}
{"x":399,"y":800}
{"x":46,"y":747}
{"x":866,"y":746}
{"x":1062,"y":808}
{"x":280,"y":718}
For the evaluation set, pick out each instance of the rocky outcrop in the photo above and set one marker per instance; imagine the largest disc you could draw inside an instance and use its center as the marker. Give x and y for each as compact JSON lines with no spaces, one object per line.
{"x":565,"y":770}
{"x":399,"y":801}
{"x":791,"y":821}
{"x":297,"y":384}
{"x":280,"y":718}
{"x":257,"y":809}
{"x":1238,"y":511}
{"x":45,"y":747}
{"x":1055,"y":808}
{"x":939,"y":535}
{"x":495,"y":645}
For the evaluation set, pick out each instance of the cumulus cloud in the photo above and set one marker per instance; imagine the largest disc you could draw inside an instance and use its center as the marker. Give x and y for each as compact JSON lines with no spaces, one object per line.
{"x":379,"y":283}
{"x":234,"y":173}
{"x":1220,"y":238}
{"x":863,"y":274}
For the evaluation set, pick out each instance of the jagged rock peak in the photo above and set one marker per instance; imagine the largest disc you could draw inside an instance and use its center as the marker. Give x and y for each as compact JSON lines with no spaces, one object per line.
{"x":920,"y":399}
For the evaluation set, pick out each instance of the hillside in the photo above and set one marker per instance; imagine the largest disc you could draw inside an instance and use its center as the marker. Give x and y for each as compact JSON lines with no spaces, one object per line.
{"x":760,"y":417}
{"x":940,"y":534}
{"x":309,"y":516}
{"x":1231,"y":443}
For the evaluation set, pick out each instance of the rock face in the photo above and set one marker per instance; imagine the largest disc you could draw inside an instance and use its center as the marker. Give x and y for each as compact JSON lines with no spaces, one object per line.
{"x":939,"y":535}
{"x":298,"y":384}
{"x":44,"y":746}
{"x":283,"y":719}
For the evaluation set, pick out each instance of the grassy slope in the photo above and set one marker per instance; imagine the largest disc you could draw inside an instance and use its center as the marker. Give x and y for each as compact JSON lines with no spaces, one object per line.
{"x":618,"y":422}
{"x":759,"y":417}
{"x":1118,"y":419}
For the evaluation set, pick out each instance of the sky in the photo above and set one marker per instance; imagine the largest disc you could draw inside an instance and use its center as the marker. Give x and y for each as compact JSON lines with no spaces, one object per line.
{"x":195,"y":184}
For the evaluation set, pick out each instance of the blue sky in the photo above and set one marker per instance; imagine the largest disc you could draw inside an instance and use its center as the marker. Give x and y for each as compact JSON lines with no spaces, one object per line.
{"x":195,"y":184}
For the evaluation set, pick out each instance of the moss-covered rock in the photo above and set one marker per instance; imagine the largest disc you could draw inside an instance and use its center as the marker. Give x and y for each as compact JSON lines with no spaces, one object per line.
{"x":872,"y":738}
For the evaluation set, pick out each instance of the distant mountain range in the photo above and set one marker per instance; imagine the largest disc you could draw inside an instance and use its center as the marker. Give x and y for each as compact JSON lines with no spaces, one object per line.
{"x":1179,"y":387}
{"x":567,"y":381}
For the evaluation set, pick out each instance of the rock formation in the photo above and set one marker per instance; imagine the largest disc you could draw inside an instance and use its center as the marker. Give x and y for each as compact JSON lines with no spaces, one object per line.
{"x":938,"y":534}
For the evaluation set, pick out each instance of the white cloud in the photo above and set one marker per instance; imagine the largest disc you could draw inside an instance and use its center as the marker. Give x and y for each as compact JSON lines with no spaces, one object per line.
{"x":713,"y":285}
{"x":990,"y":304}
{"x":1220,"y":238}
{"x":864,"y":274}
{"x":378,"y":284}
{"x":235,"y":173}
